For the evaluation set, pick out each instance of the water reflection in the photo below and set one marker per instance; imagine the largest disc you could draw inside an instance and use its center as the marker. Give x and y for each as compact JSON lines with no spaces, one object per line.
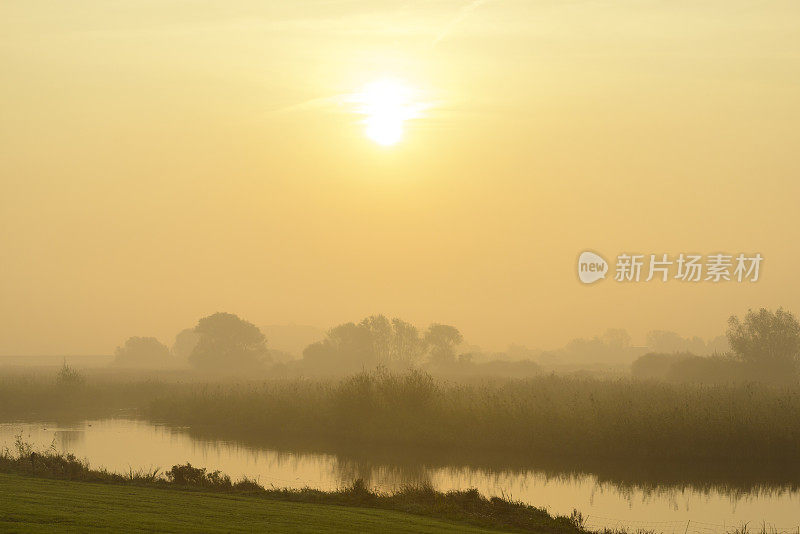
{"x":68,"y":439}
{"x":713,"y":493}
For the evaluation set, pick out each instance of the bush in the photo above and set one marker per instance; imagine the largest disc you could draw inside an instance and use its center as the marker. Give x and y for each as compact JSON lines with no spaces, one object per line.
{"x":187,"y":475}
{"x":708,"y":370}
{"x":69,"y":377}
{"x":657,"y":365}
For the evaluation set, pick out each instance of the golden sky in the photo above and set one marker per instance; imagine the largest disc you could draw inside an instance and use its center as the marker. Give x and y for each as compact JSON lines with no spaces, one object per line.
{"x":162,"y":160}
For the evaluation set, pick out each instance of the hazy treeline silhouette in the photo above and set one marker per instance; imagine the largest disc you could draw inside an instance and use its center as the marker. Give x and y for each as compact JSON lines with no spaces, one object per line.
{"x":764,"y":346}
{"x":376,"y":340}
{"x":226,"y":343}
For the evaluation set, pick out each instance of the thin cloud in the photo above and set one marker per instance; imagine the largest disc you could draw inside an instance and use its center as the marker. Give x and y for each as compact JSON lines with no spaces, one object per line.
{"x":462,"y":14}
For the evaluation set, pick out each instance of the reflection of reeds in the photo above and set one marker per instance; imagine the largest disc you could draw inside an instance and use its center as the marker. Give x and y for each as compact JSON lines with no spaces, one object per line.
{"x":764,"y":528}
{"x":623,"y":431}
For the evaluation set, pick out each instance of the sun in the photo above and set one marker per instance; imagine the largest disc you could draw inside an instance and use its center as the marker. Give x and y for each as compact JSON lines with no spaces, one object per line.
{"x":386,"y":105}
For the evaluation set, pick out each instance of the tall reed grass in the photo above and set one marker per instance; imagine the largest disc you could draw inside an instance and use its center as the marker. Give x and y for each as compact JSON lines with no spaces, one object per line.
{"x":548,"y":415}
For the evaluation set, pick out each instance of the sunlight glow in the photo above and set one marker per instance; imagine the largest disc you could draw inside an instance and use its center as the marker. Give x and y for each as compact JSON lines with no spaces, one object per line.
{"x":387,"y":104}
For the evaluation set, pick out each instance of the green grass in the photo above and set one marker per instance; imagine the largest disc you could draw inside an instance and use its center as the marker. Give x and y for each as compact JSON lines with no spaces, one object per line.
{"x":29,"y":504}
{"x":461,"y":507}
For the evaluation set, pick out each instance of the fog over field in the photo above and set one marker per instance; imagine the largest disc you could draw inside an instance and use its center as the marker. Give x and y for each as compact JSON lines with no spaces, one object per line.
{"x":400,"y":266}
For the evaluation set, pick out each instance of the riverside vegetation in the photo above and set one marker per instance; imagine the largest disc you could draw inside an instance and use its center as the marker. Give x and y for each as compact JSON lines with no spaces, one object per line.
{"x":460,"y":507}
{"x":548,"y":415}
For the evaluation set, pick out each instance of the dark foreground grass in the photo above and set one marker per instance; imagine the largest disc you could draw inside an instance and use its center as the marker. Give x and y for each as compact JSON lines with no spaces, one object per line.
{"x":46,"y":505}
{"x":51,"y":489}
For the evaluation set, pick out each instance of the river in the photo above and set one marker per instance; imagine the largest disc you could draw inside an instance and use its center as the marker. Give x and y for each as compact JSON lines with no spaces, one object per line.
{"x":123,"y":444}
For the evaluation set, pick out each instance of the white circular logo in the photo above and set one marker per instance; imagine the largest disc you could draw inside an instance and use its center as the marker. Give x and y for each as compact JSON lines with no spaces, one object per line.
{"x":591,"y":267}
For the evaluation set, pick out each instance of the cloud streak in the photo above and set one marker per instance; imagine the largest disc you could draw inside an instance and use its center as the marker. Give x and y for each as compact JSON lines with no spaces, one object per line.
{"x":462,"y":14}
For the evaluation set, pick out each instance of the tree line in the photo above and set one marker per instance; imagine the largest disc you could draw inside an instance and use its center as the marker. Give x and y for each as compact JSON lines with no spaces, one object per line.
{"x":225,"y":342}
{"x":763,"y":345}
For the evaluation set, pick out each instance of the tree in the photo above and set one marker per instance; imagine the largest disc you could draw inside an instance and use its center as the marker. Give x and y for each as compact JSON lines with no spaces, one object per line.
{"x":442,"y":341}
{"x":768,"y":341}
{"x":374,"y":341}
{"x":142,"y":352}
{"x":379,"y":331}
{"x":228,"y":343}
{"x":407,"y":346}
{"x":185,"y":342}
{"x":617,"y":338}
{"x":663,"y":341}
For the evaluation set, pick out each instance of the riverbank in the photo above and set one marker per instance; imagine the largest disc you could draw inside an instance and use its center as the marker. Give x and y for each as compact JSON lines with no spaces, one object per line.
{"x":44,"y":490}
{"x":29,"y":504}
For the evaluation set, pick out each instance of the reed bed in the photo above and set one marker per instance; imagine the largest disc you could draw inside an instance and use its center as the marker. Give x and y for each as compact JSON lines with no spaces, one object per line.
{"x":547,"y":415}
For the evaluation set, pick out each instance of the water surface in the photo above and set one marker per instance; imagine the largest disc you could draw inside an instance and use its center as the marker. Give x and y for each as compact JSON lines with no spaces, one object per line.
{"x":122,"y":444}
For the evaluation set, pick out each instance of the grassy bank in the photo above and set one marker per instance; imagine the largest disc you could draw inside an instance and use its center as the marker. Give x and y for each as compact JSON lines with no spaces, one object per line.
{"x":50,"y":489}
{"x":547,"y":416}
{"x":44,"y":505}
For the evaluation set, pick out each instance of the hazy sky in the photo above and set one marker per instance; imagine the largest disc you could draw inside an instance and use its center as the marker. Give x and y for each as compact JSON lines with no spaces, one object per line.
{"x":162,"y":160}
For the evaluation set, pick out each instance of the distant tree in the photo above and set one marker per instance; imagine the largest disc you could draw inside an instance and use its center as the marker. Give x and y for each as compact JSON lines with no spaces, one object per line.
{"x":769,"y":342}
{"x":407,"y":345}
{"x":348,"y":347}
{"x":718,"y":369}
{"x":617,"y":338}
{"x":442,"y":340}
{"x":376,"y":340}
{"x":185,"y":342}
{"x":718,"y":345}
{"x":657,"y":365}
{"x":351,"y":346}
{"x":664,"y":341}
{"x":142,"y":352}
{"x":521,"y":352}
{"x":228,"y":343}
{"x":379,"y":331}
{"x":613,"y":346}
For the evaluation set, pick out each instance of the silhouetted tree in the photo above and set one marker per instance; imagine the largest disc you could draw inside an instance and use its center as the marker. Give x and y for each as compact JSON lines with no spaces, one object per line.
{"x":769,"y":342}
{"x":407,"y":346}
{"x":142,"y":352}
{"x":442,"y":340}
{"x":379,"y":331}
{"x":185,"y":342}
{"x":228,"y":343}
{"x":664,"y":341}
{"x":617,"y":338}
{"x":374,"y":341}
